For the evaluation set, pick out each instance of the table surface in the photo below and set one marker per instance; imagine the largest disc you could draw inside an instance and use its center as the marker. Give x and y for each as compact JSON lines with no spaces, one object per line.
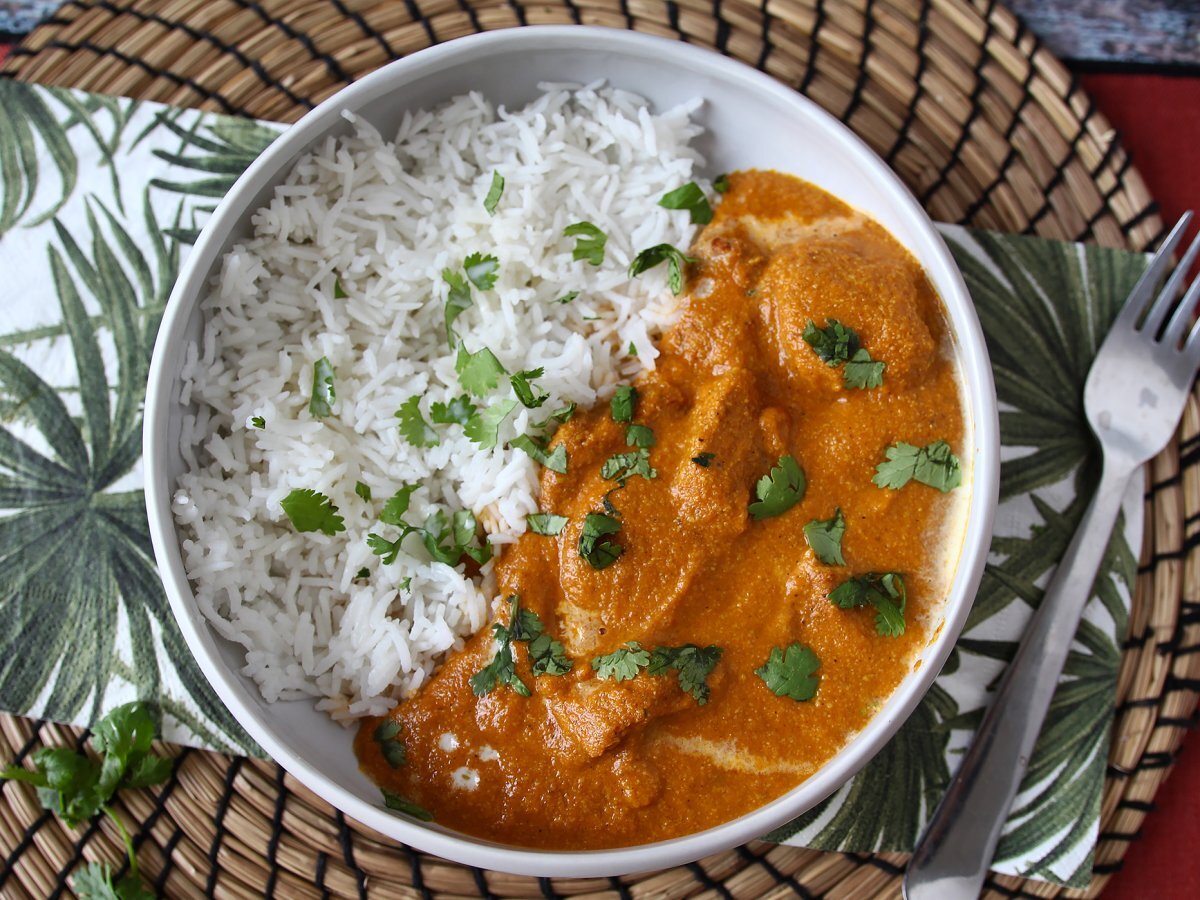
{"x":1140,"y":61}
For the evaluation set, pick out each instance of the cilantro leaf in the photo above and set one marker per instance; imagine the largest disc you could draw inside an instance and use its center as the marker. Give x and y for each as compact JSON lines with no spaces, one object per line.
{"x":311,"y":510}
{"x":622,"y":466}
{"x":779,"y":490}
{"x":834,"y":344}
{"x":691,"y":198}
{"x":483,"y":428}
{"x":413,"y":426}
{"x":502,"y":670}
{"x":363,"y":574}
{"x":458,"y":300}
{"x":339,"y":292}
{"x":524,"y":390}
{"x":721,"y":183}
{"x":397,"y":506}
{"x":482,"y":270}
{"x":589,"y":242}
{"x":363,"y":490}
{"x":623,"y":663}
{"x":258,"y":422}
{"x":549,"y":657}
{"x":863,"y":372}
{"x":933,"y":465}
{"x":94,"y":882}
{"x":660,"y":253}
{"x":495,"y":191}
{"x":457,"y":412}
{"x":639,"y":436}
{"x":694,"y":664}
{"x":323,"y":392}
{"x":825,"y":538}
{"x":704,"y":460}
{"x":886,"y":592}
{"x":562,"y":414}
{"x":790,"y":672}
{"x":546,"y":523}
{"x":386,"y":549}
{"x":395,"y":802}
{"x":567,"y":297}
{"x":623,"y":403}
{"x":448,"y":541}
{"x":536,"y":448}
{"x":478,"y":372}
{"x":595,"y":541}
{"x":387,"y":736}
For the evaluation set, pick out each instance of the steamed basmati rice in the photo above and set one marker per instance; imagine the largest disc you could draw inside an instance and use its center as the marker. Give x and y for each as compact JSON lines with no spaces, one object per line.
{"x":381,"y":220}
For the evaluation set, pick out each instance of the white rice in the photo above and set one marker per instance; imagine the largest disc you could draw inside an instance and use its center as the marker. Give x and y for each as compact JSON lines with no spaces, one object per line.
{"x":385,"y":218}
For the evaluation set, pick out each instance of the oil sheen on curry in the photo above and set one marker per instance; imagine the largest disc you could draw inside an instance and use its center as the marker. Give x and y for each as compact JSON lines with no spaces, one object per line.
{"x":753,"y":546}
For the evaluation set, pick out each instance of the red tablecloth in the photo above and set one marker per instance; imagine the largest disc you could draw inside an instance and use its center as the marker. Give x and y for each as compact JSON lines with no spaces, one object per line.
{"x":1158,"y":117}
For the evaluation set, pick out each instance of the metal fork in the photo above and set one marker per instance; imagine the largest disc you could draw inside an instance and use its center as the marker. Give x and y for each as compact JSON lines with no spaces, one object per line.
{"x":1134,"y":398}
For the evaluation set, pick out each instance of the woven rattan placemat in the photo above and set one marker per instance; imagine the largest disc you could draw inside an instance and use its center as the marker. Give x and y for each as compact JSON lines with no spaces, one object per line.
{"x":986,"y":127}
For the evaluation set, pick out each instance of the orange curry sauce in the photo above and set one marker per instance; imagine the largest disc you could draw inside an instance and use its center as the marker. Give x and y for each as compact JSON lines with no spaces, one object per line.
{"x":591,"y":763}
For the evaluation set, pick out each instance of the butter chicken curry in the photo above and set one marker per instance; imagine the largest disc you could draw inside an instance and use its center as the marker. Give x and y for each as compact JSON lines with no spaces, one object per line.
{"x":744,"y":557}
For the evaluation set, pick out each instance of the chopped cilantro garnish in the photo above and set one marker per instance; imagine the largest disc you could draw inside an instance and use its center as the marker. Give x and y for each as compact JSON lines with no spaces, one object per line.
{"x":413,"y":426}
{"x":363,"y":490}
{"x":721,"y":183}
{"x":449,"y":541}
{"x":694,"y":664}
{"x":623,"y":403}
{"x":691,"y":198}
{"x":567,"y":297}
{"x":395,"y":802}
{"x":406,"y":583}
{"x":623,"y":663}
{"x":825,"y":538}
{"x":524,"y":390}
{"x":834,"y":344}
{"x":704,"y":460}
{"x":363,"y":574}
{"x":387,"y":736}
{"x":311,"y":510}
{"x":652,"y":256}
{"x":397,"y":506}
{"x":863,"y":372}
{"x":595,"y":542}
{"x":339,"y":292}
{"x":386,"y":549}
{"x":779,"y":490}
{"x":258,"y":422}
{"x":790,"y":672}
{"x":494,"y":193}
{"x":562,"y":414}
{"x":323,"y":393}
{"x":458,"y":299}
{"x":546,"y":655}
{"x":589,"y":242}
{"x":481,"y":270}
{"x":546,"y":523}
{"x":622,"y":466}
{"x":639,"y":436}
{"x":885,"y":592}
{"x":933,"y":465}
{"x":478,"y":372}
{"x":536,"y":447}
{"x":483,"y":427}
{"x":457,"y":412}
{"x":632,"y":351}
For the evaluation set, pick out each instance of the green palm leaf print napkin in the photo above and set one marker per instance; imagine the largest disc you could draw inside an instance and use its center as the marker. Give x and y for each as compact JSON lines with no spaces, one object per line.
{"x":101,"y":199}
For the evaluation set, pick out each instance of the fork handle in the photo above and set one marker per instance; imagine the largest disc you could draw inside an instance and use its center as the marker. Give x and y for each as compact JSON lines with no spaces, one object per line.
{"x":953,"y":855}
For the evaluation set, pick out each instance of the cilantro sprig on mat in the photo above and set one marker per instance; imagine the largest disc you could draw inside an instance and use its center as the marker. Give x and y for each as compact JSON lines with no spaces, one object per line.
{"x":78,"y":788}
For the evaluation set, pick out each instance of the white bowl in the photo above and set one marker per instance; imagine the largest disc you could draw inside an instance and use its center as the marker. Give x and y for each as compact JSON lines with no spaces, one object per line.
{"x":752,"y":121}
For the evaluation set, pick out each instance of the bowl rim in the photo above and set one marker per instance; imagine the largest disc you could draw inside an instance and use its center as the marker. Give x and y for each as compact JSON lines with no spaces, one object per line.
{"x":981,"y":407}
